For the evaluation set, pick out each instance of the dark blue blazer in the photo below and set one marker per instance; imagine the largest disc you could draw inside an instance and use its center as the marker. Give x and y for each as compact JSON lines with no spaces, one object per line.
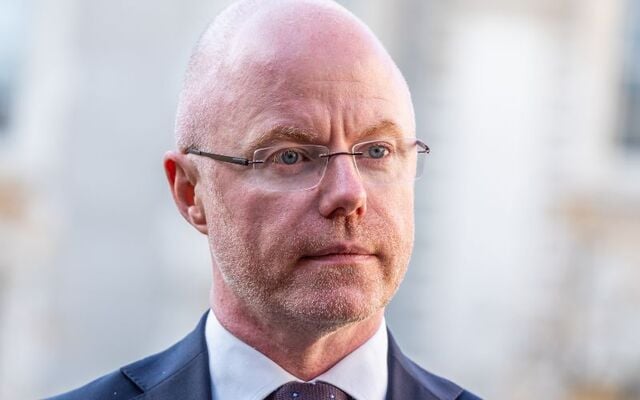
{"x":182,"y":373}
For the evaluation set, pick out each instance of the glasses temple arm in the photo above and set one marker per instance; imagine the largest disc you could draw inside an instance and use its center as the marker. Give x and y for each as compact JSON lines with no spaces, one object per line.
{"x":220,"y":157}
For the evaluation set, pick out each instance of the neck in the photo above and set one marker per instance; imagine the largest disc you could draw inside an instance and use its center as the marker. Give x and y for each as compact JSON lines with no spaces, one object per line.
{"x":305,"y":349}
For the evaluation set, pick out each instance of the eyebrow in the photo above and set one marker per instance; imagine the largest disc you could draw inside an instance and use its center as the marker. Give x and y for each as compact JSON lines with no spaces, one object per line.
{"x":283,"y":133}
{"x":390,"y":129}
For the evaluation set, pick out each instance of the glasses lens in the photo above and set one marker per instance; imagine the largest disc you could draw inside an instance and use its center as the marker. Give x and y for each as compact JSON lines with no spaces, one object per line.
{"x":289,"y":168}
{"x":301,"y":167}
{"x":387,"y":161}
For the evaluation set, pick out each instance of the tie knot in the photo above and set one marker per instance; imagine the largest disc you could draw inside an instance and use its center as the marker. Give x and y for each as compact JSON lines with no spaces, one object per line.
{"x":308,"y":391}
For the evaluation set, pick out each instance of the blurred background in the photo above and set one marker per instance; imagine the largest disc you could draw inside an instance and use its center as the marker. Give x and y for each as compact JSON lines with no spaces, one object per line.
{"x":525,"y":280}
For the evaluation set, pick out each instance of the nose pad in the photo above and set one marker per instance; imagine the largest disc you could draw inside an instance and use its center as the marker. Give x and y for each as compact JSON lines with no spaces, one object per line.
{"x":342,"y":189}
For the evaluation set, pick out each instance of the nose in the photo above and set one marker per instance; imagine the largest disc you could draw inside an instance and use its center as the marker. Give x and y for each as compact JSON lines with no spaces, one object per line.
{"x":342,"y":192}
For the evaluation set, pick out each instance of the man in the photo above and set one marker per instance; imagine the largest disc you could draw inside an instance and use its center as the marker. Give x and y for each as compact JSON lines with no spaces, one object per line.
{"x":296,"y":157}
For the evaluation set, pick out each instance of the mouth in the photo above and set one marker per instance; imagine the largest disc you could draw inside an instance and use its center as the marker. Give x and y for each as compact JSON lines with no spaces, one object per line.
{"x":342,"y":253}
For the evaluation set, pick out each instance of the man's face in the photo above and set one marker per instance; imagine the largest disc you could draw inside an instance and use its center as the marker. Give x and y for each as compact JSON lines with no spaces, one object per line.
{"x":332,"y":254}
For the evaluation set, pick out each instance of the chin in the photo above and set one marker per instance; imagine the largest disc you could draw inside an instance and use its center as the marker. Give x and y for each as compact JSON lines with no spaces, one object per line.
{"x":333,"y":308}
{"x":335,"y":297}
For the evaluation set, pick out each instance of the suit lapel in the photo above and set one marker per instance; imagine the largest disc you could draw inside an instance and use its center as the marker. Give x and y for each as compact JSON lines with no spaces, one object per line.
{"x":180,"y":372}
{"x":408,"y":381}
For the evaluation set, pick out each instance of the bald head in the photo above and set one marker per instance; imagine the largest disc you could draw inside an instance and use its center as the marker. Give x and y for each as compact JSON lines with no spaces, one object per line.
{"x":265,"y":44}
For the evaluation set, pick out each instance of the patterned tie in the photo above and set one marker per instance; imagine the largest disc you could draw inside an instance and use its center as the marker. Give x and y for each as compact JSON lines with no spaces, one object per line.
{"x":308,"y":391}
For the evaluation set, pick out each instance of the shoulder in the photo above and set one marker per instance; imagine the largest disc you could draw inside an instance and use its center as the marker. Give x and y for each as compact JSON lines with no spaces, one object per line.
{"x":409,"y":380}
{"x":182,"y":368}
{"x":468,"y":396}
{"x":114,"y":386}
{"x":441,"y":387}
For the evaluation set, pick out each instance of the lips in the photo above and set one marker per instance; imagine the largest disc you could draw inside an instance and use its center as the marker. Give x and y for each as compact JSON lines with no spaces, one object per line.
{"x":340,"y":253}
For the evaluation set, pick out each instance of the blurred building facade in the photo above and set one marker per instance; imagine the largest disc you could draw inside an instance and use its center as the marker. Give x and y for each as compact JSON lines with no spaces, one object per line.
{"x":526,"y":273}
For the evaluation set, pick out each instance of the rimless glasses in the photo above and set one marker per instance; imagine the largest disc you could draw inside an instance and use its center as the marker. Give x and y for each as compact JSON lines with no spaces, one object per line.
{"x":293,"y":167}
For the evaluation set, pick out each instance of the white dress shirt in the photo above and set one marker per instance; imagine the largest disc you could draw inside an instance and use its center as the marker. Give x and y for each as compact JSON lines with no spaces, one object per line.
{"x":238,"y":371}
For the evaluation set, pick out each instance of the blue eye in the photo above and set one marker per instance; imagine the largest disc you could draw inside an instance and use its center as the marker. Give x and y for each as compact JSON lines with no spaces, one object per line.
{"x":377,"y":151}
{"x":288,"y":157}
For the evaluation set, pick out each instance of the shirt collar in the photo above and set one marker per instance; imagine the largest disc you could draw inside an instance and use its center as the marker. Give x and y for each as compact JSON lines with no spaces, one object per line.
{"x":238,"y":371}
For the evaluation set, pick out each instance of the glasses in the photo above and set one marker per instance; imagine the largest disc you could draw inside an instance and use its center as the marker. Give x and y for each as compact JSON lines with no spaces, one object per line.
{"x":291,"y":167}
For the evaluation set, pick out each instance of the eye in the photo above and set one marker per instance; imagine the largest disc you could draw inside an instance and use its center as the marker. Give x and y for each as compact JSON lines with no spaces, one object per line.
{"x":377,"y":151}
{"x":289,"y":156}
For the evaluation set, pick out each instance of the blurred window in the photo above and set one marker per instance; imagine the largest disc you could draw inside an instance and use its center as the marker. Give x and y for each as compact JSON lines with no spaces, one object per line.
{"x":12,"y":45}
{"x":631,"y":77}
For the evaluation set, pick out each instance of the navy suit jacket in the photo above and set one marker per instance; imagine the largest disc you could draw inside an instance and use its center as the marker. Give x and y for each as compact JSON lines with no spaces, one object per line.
{"x":182,"y":373}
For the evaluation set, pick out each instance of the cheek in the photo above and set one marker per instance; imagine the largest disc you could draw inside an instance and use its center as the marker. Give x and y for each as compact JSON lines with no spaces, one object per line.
{"x":405,"y":209}
{"x":262,"y":220}
{"x":394,"y":218}
{"x":395,"y":208}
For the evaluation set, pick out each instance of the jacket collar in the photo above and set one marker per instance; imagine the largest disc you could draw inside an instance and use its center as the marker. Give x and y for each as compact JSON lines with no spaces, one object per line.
{"x":408,"y":381}
{"x":182,"y":372}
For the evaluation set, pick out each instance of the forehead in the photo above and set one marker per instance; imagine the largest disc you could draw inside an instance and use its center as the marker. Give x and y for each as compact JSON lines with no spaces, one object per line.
{"x":276,"y":134}
{"x":312,"y":76}
{"x":317,"y":105}
{"x":333,"y":113}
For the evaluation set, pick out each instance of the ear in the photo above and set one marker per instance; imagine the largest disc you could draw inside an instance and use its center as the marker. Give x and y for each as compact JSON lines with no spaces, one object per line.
{"x":183,"y":178}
